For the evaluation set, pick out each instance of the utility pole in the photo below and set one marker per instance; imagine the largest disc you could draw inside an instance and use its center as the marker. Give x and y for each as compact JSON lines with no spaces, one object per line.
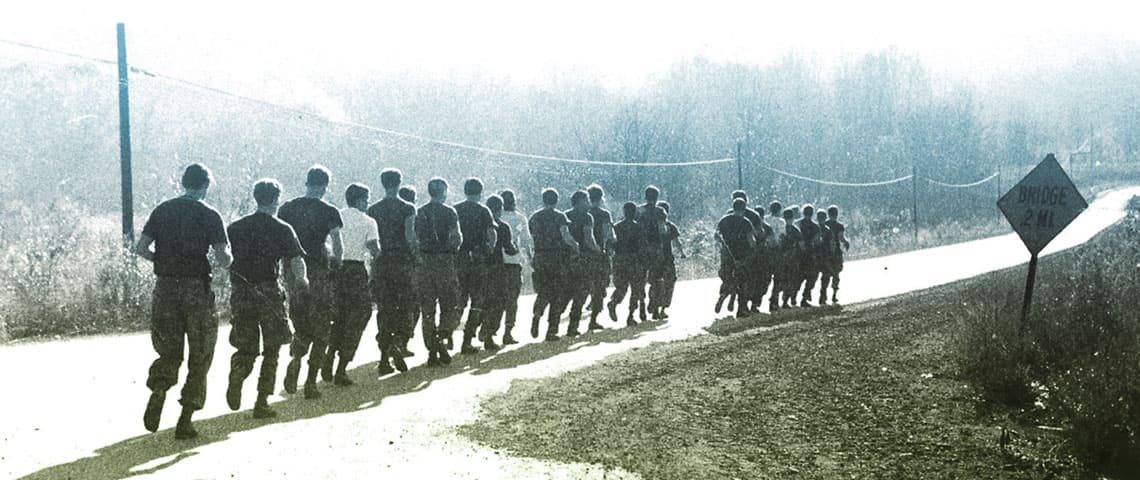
{"x":125,"y":141}
{"x":739,"y":168}
{"x":914,"y":200}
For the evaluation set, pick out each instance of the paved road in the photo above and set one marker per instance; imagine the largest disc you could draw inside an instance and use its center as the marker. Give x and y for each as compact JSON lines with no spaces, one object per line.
{"x":71,"y":409}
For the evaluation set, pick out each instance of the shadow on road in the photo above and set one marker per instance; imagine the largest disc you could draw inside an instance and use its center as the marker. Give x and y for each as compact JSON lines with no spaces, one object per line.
{"x":154,"y":452}
{"x":730,"y":324}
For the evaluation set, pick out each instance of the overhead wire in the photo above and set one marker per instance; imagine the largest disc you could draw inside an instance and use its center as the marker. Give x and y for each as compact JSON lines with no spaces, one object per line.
{"x":962,"y":185}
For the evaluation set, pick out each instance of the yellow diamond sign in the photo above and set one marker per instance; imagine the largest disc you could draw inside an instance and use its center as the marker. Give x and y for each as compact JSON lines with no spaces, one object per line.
{"x":1042,"y":204}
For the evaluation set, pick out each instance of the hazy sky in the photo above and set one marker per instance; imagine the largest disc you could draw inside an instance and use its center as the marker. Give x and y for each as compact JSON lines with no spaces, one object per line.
{"x":229,"y":43}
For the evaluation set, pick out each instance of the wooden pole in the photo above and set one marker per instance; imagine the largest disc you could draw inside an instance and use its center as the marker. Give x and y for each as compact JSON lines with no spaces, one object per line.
{"x":1029,"y":280}
{"x":125,"y":140}
{"x":914,"y":201}
{"x":739,"y":168}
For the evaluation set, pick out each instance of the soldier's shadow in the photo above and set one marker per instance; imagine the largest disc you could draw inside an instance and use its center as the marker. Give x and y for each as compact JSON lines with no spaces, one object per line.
{"x":150,"y":453}
{"x":730,"y":324}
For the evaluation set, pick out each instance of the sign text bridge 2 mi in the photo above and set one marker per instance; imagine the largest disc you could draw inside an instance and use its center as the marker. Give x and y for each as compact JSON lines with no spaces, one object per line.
{"x":1039,"y":207}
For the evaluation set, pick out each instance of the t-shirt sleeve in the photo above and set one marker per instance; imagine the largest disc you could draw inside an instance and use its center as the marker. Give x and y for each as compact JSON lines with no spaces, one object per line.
{"x":215,"y":229}
{"x":372,"y":228}
{"x":153,"y":227}
{"x":562,"y":220}
{"x":290,"y":244}
{"x":673,"y":234}
{"x":334,"y":218}
{"x":485,"y":218}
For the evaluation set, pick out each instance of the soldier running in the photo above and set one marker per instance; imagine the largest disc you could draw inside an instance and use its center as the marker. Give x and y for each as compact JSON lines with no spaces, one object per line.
{"x":809,"y":253}
{"x":392,"y":286}
{"x":774,"y":255}
{"x":478,"y":230}
{"x":599,"y":265}
{"x":788,"y":274}
{"x":437,"y":229}
{"x":260,"y":241}
{"x":312,"y":310}
{"x":664,"y":274}
{"x":553,"y":246}
{"x":629,"y":255}
{"x":833,"y":255}
{"x":407,"y":193}
{"x":575,"y":279}
{"x":751,"y":278}
{"x":499,"y":274}
{"x":736,"y":236}
{"x":182,"y":230}
{"x":652,"y":219}
{"x":514,"y":264}
{"x":353,"y":299}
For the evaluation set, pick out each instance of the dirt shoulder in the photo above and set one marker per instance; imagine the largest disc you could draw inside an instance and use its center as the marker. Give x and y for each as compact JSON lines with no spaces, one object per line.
{"x":862,"y":392}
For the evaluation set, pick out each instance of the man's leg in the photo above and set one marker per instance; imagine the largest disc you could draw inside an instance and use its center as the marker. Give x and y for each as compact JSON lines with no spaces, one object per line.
{"x":201,"y":337}
{"x":355,"y":309}
{"x":513,"y":282}
{"x":167,"y":336}
{"x":245,"y":337}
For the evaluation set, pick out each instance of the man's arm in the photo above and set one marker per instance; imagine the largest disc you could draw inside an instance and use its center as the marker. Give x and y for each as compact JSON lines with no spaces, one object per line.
{"x":297,"y":271}
{"x":569,"y":239}
{"x":142,"y":247}
{"x":222,"y":254}
{"x":591,"y":242}
{"x":337,"y":247}
{"x":609,"y":236}
{"x":490,"y":238}
{"x":410,"y":235}
{"x":373,"y":247}
{"x":454,"y":236}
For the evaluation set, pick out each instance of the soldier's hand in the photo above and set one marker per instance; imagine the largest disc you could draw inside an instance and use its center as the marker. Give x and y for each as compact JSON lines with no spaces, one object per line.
{"x":303,"y":283}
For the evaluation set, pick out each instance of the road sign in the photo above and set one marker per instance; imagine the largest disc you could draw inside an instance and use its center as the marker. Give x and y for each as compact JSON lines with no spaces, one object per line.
{"x":1039,"y":207}
{"x":1042,"y":204}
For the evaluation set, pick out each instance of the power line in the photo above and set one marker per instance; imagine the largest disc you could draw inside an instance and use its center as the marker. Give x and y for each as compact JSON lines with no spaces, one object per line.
{"x":385,"y":131}
{"x":962,"y":185}
{"x":837,"y":184}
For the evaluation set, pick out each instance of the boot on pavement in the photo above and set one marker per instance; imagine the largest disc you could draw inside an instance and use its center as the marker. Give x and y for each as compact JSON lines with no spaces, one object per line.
{"x":153,"y":412}
{"x":185,"y":429}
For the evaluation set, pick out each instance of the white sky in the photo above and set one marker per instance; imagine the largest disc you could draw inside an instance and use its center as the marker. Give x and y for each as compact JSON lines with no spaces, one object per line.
{"x":232,"y":42}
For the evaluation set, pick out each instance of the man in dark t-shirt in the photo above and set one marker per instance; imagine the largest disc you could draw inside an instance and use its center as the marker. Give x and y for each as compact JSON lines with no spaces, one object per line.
{"x":260,"y":324}
{"x":478,"y":230}
{"x":498,"y":276}
{"x":834,"y":246}
{"x":629,"y":254}
{"x":553,"y":247}
{"x":736,"y":236}
{"x":182,"y":230}
{"x":576,"y":279}
{"x":437,"y":231}
{"x":809,"y":264}
{"x":393,"y":289}
{"x":652,"y":219}
{"x":312,"y":310}
{"x":599,"y":267}
{"x":788,"y":275}
{"x":663,"y":275}
{"x":757,"y":275}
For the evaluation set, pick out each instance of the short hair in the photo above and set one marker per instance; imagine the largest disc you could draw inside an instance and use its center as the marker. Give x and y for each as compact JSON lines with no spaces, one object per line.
{"x":508,"y":197}
{"x":550,"y":197}
{"x":495,"y":203}
{"x":579,"y":196}
{"x":775,"y":208}
{"x":652,"y":193}
{"x":739,"y":194}
{"x":196,"y":177}
{"x":473,"y":186}
{"x":738,"y":205}
{"x":808,"y":210}
{"x":266,"y":191}
{"x":391,"y":178}
{"x":833,"y":211}
{"x":407,"y":193}
{"x":437,"y":187}
{"x":318,"y":176}
{"x":596,"y":192}
{"x":629,"y":209}
{"x":789,"y":212}
{"x":355,"y":193}
{"x":821,"y":215}
{"x":664,"y":206}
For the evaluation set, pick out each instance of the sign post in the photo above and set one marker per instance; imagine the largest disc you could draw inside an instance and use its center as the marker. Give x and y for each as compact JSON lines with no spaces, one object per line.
{"x":1039,"y":207}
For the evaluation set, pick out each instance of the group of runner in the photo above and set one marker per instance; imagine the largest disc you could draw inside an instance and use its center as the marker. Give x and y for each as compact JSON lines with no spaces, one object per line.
{"x":787,"y":255}
{"x":323,"y":269}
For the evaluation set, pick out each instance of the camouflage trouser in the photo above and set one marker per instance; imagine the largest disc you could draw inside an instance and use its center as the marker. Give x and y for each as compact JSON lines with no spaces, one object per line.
{"x":473,"y":283}
{"x":599,"y":270}
{"x":182,"y":313}
{"x":259,"y":319}
{"x":576,"y":285}
{"x":734,"y":277}
{"x":787,"y":274}
{"x":353,"y":310}
{"x":662,"y":279}
{"x":628,"y":275}
{"x":436,"y":282}
{"x":831,"y":265}
{"x":395,"y":299}
{"x":550,"y":285}
{"x":502,"y":295}
{"x":312,"y":312}
{"x":512,"y":282}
